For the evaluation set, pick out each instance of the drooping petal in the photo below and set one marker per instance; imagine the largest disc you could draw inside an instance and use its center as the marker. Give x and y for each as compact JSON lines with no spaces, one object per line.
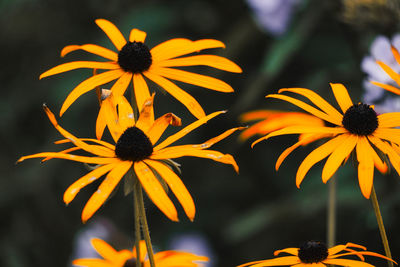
{"x":91,"y":48}
{"x":388,"y":120}
{"x":308,"y":108}
{"x":392,"y":135}
{"x":105,"y":189}
{"x":336,"y":249}
{"x":342,"y":96}
{"x":317,"y":100}
{"x":142,"y":93}
{"x":65,"y":151}
{"x":92,"y":176}
{"x":171,"y":139}
{"x":390,"y":72}
{"x":193,"y":78}
{"x":288,"y":260}
{"x":178,"y":151}
{"x":207,"y":60}
{"x":160,"y":125}
{"x":94,"y":149}
{"x":92,"y":263}
{"x":387,"y":87}
{"x":137,"y":36}
{"x":103,"y":143}
{"x":190,"y":103}
{"x":155,"y":190}
{"x":347,"y":262}
{"x":317,"y":155}
{"x":292,"y":251}
{"x":260,"y":114}
{"x":338,"y":156}
{"x":176,"y":185}
{"x":79,"y":65}
{"x":126,"y":117}
{"x":88,"y":85}
{"x":388,"y":150}
{"x":365,"y":166}
{"x":146,"y":116}
{"x":180,"y":46}
{"x":104,"y":249}
{"x":302,"y":130}
{"x":90,"y":160}
{"x":112,"y":32}
{"x":120,"y":86}
{"x":109,"y":116}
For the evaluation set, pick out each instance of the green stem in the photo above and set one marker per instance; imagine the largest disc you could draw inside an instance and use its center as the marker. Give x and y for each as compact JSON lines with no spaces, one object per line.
{"x":331,"y":218}
{"x":382,"y":231}
{"x":145,"y":228}
{"x":137,"y":220}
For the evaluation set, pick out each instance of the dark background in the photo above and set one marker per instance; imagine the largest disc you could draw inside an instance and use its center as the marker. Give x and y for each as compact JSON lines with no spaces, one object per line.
{"x":244,"y":217}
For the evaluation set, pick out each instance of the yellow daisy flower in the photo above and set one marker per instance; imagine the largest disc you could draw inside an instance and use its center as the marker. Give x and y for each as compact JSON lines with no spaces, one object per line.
{"x":358,"y":129}
{"x":136,"y":147}
{"x":395,"y":76}
{"x":314,"y":253}
{"x":127,"y":258}
{"x":134,"y":60}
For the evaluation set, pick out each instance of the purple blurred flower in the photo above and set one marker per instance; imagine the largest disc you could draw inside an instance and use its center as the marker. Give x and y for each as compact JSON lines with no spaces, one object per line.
{"x":380,"y":50}
{"x":273,"y":16}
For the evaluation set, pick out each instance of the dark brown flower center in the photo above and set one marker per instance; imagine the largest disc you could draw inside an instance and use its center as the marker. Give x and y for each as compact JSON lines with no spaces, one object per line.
{"x":133,"y":145}
{"x":313,"y":252}
{"x":360,"y":119}
{"x":134,"y":57}
{"x":130,"y":263}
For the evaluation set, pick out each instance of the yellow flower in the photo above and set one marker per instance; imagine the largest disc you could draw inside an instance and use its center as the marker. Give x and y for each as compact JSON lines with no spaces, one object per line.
{"x":127,"y":258}
{"x":136,"y":147}
{"x":395,"y":76}
{"x":134,"y":59}
{"x":359,"y":128}
{"x":313,"y":253}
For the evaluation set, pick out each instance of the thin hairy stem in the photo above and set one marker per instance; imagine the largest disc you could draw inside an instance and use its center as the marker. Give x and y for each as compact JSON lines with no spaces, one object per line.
{"x":331,"y":216}
{"x":137,"y":220}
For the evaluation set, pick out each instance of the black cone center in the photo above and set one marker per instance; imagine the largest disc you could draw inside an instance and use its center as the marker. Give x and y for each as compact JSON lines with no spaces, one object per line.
{"x":360,"y":119}
{"x":133,"y":145}
{"x":134,"y":57}
{"x":313,"y":252}
{"x":130,"y":263}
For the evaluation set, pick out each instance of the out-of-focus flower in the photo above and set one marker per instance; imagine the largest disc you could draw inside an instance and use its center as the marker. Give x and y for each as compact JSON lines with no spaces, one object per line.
{"x":273,"y":16}
{"x":125,"y":258}
{"x":357,"y":128}
{"x":314,"y":253}
{"x":380,"y":51}
{"x":135,"y":147}
{"x":134,"y":60}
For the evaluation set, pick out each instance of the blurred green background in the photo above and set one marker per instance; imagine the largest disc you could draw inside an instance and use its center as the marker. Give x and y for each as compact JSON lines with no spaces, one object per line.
{"x":243,"y":217}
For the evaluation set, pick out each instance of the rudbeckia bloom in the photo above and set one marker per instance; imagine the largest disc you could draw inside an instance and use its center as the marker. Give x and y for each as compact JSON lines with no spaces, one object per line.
{"x":128,"y":258}
{"x":136,"y":147}
{"x":314,"y":253}
{"x":392,"y":73}
{"x":358,"y":129}
{"x":134,"y":60}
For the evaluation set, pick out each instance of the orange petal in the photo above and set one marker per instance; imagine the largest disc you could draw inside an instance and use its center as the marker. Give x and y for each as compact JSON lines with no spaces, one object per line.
{"x":137,"y":36}
{"x":390,"y":72}
{"x":193,"y":78}
{"x":388,"y":150}
{"x":91,"y":263}
{"x":160,"y":125}
{"x":88,"y":85}
{"x":120,"y":86}
{"x":105,"y":189}
{"x":317,"y":155}
{"x":155,"y":191}
{"x":190,"y":103}
{"x":293,"y":251}
{"x":92,"y":176}
{"x":342,"y":96}
{"x":346,"y":262}
{"x":259,"y":114}
{"x":287,"y":260}
{"x":104,"y":249}
{"x":126,"y":117}
{"x":79,"y":65}
{"x":365,"y":166}
{"x":90,"y":160}
{"x":178,"y":47}
{"x":91,"y":48}
{"x":142,"y":93}
{"x":171,"y":139}
{"x":387,"y":87}
{"x":176,"y":185}
{"x":388,"y":120}
{"x":308,"y":108}
{"x":207,"y":60}
{"x":65,"y":151}
{"x":146,"y":116}
{"x":112,"y":32}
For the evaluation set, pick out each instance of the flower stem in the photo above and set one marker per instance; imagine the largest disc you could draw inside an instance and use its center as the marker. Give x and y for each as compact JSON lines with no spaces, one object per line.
{"x":382,"y":231}
{"x":331,"y":216}
{"x":137,"y":221}
{"x":145,"y":227}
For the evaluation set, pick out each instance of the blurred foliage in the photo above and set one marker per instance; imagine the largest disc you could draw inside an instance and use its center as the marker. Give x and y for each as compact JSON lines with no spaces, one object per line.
{"x":244,"y":217}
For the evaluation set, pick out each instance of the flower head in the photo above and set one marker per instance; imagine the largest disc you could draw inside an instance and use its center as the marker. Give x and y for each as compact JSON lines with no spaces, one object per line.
{"x":358,"y":128}
{"x":316,"y":253}
{"x":134,"y":60}
{"x":128,"y":258}
{"x":135,"y":146}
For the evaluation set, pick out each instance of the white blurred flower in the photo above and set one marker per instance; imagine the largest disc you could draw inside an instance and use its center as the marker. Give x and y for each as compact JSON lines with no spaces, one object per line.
{"x":380,"y":50}
{"x":273,"y":16}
